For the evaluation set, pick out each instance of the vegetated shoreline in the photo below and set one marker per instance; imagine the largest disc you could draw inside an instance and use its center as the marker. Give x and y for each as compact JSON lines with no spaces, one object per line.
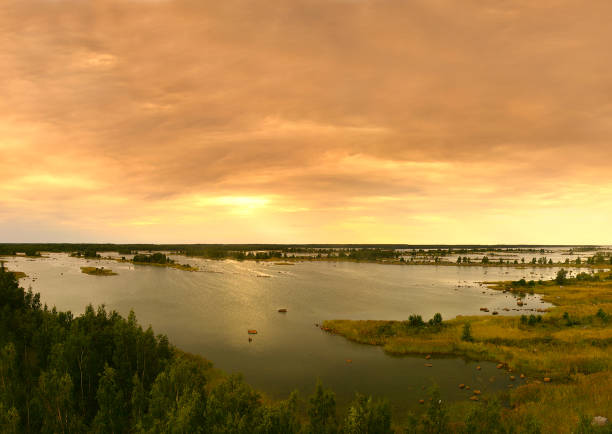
{"x":565,"y":351}
{"x":581,"y":300}
{"x":295,"y":260}
{"x":182,"y":267}
{"x":409,"y":263}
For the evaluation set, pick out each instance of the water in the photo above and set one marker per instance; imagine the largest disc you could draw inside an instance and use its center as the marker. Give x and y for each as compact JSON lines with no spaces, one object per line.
{"x":209,"y":312}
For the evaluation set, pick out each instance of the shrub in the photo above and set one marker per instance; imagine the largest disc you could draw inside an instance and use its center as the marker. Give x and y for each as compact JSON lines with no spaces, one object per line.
{"x":485,"y":419}
{"x":436,"y":320}
{"x":415,"y":321}
{"x":561,"y":276}
{"x":602,"y":315}
{"x":467,"y":333}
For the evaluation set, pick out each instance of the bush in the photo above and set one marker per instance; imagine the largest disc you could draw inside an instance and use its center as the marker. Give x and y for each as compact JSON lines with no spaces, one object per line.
{"x":365,"y":415}
{"x":467,"y":333}
{"x":485,"y":419}
{"x":586,"y":277}
{"x":569,"y":321}
{"x":436,"y":320}
{"x":415,"y":321}
{"x":561,"y":277}
{"x":602,"y":315}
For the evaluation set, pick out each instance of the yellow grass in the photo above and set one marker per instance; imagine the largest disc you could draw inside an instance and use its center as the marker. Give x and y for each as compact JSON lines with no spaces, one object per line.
{"x":574,"y":354}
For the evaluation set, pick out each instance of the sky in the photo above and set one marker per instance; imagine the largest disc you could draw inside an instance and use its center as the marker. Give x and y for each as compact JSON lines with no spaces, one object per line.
{"x":306,"y":121}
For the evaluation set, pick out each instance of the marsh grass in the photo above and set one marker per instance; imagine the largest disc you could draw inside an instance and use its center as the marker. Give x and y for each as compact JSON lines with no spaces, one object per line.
{"x":571,"y":345}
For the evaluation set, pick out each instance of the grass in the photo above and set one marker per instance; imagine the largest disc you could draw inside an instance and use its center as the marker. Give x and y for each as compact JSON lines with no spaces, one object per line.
{"x":570,"y":345}
{"x":94,"y":271}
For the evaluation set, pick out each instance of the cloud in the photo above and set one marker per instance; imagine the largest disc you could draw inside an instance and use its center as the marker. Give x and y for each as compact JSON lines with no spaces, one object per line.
{"x":309,"y":115}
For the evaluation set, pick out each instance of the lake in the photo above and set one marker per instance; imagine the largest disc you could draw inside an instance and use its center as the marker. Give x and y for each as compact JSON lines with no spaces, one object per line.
{"x":209,"y":313}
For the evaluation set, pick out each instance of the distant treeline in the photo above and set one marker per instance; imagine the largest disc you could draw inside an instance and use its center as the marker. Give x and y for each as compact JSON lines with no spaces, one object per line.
{"x":12,"y":248}
{"x":358,"y":252}
{"x":155,"y":258}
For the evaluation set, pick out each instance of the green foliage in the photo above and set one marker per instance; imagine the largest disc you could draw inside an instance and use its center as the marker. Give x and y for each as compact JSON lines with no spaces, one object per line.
{"x":587,"y":277}
{"x":9,"y":419}
{"x":436,"y":320}
{"x":561,"y":277}
{"x":368,"y":416}
{"x":415,"y":321}
{"x":112,"y":413}
{"x":433,"y":421}
{"x":466,"y":335}
{"x":87,"y":253}
{"x":156,"y":258}
{"x":603,"y":315}
{"x":569,"y":321}
{"x":322,"y":411}
{"x":485,"y":418}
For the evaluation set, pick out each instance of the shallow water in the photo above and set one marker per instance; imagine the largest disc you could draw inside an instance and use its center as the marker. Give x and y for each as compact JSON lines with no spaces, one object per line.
{"x":209,"y":313}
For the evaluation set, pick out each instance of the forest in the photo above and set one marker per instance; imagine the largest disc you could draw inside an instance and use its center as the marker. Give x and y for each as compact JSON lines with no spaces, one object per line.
{"x":101,"y":372}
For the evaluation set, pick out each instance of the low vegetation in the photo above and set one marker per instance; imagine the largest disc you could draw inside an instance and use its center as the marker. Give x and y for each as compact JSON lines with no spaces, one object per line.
{"x":160,"y":260}
{"x":94,"y":271}
{"x":565,"y":353}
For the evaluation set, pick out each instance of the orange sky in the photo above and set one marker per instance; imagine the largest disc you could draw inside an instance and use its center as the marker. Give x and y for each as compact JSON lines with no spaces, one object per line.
{"x":349,"y":121}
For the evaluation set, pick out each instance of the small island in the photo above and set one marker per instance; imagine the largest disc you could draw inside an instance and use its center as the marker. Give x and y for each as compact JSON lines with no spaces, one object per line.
{"x":159,"y":259}
{"x":95,"y":271}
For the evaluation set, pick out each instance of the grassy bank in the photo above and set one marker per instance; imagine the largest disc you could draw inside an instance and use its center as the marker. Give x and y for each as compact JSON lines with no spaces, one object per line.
{"x":183,"y":267}
{"x":565,"y":353}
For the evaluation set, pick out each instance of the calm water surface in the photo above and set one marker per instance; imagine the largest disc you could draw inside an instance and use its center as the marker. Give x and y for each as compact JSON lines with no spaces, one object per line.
{"x":209,"y":313}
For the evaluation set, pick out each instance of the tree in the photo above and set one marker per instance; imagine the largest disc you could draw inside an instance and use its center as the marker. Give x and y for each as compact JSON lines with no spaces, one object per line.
{"x":281,"y":418}
{"x":55,"y":398}
{"x":112,"y":413}
{"x":436,"y":418}
{"x":437,"y":319}
{"x":178,"y":398}
{"x":322,"y":411}
{"x":366,"y":415}
{"x":9,"y":419}
{"x":561,"y":277}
